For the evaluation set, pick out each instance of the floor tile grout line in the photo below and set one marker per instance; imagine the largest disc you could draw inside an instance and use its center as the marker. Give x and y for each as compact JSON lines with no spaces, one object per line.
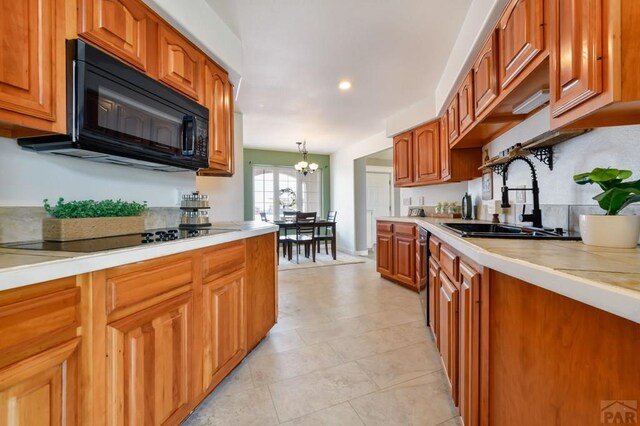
{"x":273,"y":403}
{"x":356,"y":411}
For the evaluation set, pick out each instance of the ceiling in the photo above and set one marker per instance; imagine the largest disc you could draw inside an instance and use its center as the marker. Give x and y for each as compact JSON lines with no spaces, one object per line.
{"x":296,"y":51}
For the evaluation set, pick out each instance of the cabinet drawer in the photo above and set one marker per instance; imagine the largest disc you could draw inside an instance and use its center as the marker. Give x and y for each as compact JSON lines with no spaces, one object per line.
{"x":407,"y":229}
{"x":449,"y":262}
{"x":149,"y":282}
{"x":434,"y":248}
{"x":385,"y":227}
{"x":32,"y":324}
{"x":222,"y":260}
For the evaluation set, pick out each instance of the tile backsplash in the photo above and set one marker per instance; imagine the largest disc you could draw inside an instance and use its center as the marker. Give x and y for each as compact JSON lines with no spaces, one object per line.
{"x":25,"y":223}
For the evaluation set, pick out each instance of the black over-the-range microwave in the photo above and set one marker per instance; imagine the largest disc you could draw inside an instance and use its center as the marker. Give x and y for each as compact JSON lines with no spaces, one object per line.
{"x":118,"y":115}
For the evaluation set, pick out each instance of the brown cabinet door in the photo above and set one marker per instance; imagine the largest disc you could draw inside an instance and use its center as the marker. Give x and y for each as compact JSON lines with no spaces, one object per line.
{"x":453,"y":120}
{"x":404,"y":259}
{"x":384,"y":253}
{"x":180,"y":64}
{"x":224,"y":329}
{"x":576,"y":53}
{"x":445,"y":150}
{"x":448,"y":306}
{"x":403,"y":159}
{"x":426,"y":152}
{"x":469,"y":361}
{"x":218,"y":98}
{"x":485,"y":75}
{"x":148,"y":368}
{"x":261,"y":286}
{"x":466,"y":101}
{"x":32,"y":62}
{"x":434,"y":296}
{"x":521,"y":38}
{"x":42,"y":389}
{"x":118,"y":26}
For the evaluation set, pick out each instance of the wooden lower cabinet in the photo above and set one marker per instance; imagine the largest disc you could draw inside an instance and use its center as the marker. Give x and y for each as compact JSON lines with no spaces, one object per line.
{"x":397,"y":249}
{"x":42,"y":389}
{"x":404,"y":254}
{"x":148,"y":368}
{"x":384,"y":249}
{"x":224,"y":329}
{"x":456,"y":321}
{"x":469,"y":350}
{"x":261,"y":287}
{"x":448,"y":329}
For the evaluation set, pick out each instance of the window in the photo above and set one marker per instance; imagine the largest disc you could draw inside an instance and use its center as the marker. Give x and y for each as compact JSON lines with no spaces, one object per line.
{"x":276,"y":189}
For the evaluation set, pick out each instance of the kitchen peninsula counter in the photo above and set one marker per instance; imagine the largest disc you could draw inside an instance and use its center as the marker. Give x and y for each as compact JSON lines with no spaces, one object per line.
{"x":606,"y":278}
{"x":19,"y":267}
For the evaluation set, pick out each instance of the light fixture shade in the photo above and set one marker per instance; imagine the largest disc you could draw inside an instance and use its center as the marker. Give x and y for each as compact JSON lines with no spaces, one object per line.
{"x":297,"y":166}
{"x":303,"y":164}
{"x":313,"y":167}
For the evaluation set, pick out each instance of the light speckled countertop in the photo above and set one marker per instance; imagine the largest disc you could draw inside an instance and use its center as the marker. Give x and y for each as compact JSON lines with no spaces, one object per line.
{"x":606,"y":278}
{"x":24,"y":267}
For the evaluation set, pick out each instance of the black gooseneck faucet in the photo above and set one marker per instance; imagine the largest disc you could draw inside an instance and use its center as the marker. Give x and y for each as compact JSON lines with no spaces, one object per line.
{"x":536,"y":215}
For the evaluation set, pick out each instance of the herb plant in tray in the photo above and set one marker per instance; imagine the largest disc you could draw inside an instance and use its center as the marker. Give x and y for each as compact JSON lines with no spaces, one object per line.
{"x":611,"y":229}
{"x":79,"y":220}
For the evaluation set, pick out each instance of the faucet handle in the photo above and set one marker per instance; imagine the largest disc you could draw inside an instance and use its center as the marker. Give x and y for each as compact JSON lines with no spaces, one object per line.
{"x":505,"y":198}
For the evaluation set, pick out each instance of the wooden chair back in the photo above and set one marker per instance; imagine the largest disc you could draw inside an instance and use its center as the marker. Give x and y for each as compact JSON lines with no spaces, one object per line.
{"x":305,"y":224}
{"x":263,"y":216}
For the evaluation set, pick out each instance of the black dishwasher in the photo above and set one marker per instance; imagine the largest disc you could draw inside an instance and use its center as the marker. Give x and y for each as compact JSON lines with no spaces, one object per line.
{"x":424,"y":267}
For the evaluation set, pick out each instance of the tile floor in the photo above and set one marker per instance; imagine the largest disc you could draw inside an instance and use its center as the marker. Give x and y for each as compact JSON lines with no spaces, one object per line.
{"x":349,"y":349}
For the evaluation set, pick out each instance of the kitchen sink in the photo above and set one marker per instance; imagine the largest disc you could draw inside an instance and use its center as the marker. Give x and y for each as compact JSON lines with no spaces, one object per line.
{"x":493,"y":230}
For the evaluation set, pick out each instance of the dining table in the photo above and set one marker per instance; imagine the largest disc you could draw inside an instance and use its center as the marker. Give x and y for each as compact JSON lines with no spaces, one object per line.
{"x":319,"y":224}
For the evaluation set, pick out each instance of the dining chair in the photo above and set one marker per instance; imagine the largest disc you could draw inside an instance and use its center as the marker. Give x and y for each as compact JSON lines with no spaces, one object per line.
{"x":325,"y":233}
{"x":263,"y":216}
{"x":305,"y":234}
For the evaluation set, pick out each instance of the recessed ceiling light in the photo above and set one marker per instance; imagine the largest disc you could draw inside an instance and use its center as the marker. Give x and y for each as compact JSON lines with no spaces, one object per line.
{"x":344,"y":85}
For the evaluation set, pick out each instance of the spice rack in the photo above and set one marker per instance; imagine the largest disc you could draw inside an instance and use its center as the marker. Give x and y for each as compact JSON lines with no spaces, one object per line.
{"x":195,"y":211}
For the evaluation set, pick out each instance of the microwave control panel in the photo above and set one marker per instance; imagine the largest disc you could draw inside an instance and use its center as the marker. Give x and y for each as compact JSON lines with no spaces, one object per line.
{"x":202,"y":143}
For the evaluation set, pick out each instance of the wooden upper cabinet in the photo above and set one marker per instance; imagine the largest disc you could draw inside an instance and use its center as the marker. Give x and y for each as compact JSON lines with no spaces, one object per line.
{"x":485,"y":76}
{"x":121,"y":27}
{"x":148,"y":368}
{"x":445,"y":149}
{"x":521,"y":38}
{"x":466,"y":103}
{"x":180,"y":63}
{"x":426,"y":152}
{"x":453,"y":120}
{"x":224,"y":329}
{"x":576,"y":53}
{"x":403,"y":159}
{"x":218,"y":97}
{"x":32,"y":64}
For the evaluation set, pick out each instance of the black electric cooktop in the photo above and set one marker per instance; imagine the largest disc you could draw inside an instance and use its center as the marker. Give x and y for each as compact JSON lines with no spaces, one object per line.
{"x":152,"y":236}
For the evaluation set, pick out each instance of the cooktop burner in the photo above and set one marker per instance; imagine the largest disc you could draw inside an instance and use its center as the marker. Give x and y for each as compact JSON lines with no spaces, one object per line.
{"x":152,"y":236}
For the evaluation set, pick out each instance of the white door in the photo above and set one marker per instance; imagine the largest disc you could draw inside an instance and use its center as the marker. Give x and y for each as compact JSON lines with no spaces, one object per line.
{"x":378,"y":201}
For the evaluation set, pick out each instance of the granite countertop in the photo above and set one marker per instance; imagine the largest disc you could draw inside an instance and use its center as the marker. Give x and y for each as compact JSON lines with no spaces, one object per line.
{"x":19,"y":267}
{"x":606,"y":278}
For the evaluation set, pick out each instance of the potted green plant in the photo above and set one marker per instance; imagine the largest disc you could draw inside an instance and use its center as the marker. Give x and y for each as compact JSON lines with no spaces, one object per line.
{"x":80,"y":220}
{"x":611,"y":229}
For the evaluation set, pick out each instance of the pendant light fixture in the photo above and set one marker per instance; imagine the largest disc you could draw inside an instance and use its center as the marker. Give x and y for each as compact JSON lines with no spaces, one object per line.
{"x":303,"y":166}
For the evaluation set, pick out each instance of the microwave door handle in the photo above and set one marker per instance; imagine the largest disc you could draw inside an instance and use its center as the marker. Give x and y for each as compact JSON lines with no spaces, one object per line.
{"x":188,"y":135}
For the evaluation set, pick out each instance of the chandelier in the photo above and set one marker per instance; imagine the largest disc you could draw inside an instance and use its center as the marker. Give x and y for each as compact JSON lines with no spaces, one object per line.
{"x":303,"y":166}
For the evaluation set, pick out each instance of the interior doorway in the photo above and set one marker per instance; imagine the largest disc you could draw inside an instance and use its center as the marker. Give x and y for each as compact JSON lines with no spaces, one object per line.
{"x":379,"y":200}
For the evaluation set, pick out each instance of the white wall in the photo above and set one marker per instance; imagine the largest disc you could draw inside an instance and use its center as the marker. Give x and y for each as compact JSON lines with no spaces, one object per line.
{"x":617,"y":147}
{"x":431,"y":195}
{"x":343,"y":189}
{"x":478,"y":23}
{"x":27,"y":178}
{"x":226,"y":194}
{"x":201,"y":24}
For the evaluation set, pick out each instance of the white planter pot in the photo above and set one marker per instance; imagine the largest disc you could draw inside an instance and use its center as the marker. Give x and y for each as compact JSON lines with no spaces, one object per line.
{"x":610,"y":231}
